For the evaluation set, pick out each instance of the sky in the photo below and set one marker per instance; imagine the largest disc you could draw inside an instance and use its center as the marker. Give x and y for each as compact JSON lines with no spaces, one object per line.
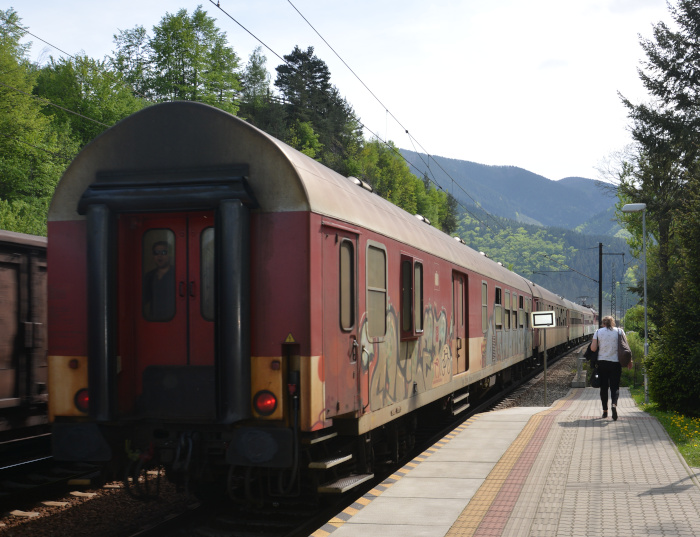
{"x":506,"y":82}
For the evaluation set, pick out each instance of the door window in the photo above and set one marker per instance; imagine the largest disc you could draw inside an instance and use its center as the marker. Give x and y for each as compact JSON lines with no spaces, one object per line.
{"x":206,"y":245}
{"x":158,"y":270}
{"x":347,"y":284}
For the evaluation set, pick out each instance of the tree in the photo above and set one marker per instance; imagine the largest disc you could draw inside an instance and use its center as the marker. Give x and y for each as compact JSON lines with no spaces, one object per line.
{"x":98,"y":95}
{"x":33,"y":150}
{"x":187,"y":58}
{"x":304,"y":82}
{"x":255,"y":80}
{"x":258,"y":105}
{"x":667,"y":135}
{"x":303,"y":138}
{"x":449,"y":221}
{"x":664,"y":174}
{"x":131,"y":59}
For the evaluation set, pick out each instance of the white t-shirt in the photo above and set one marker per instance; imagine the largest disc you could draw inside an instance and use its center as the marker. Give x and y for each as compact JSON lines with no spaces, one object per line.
{"x":607,"y":343}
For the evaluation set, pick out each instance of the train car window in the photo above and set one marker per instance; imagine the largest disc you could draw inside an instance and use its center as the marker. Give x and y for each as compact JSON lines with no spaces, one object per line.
{"x":418,"y":296}
{"x":528,"y":309}
{"x":158,"y":275}
{"x":522,"y":312}
{"x":347,"y":285}
{"x":406,"y":297}
{"x":484,"y":307}
{"x":206,"y":260}
{"x":506,"y":314}
{"x":498,"y":309}
{"x":515,"y":311}
{"x":411,"y":298}
{"x":376,"y":291}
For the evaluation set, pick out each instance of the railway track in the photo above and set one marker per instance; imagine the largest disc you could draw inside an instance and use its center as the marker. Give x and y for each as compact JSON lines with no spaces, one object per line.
{"x":298,"y":519}
{"x":176,"y":515}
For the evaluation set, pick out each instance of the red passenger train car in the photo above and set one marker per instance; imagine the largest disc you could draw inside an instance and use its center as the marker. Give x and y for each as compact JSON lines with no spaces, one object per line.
{"x":228,"y":308}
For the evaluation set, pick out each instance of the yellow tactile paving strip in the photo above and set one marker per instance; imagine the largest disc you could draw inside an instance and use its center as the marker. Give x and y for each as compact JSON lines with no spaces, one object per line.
{"x":476,"y":510}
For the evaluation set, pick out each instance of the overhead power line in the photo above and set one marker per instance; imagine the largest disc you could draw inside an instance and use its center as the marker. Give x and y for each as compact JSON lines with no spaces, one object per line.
{"x":428,"y":170}
{"x":364,"y":126}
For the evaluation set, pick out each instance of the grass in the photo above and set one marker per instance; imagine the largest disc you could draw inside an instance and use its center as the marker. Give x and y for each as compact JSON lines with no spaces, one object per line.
{"x":683,"y":430}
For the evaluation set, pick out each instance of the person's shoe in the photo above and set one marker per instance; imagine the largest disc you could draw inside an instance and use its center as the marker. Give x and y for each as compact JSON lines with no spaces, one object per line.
{"x":614,"y":411}
{"x":605,"y":413}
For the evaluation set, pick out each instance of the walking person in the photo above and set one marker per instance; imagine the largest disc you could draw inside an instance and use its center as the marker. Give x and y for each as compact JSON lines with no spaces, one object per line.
{"x":609,"y":368}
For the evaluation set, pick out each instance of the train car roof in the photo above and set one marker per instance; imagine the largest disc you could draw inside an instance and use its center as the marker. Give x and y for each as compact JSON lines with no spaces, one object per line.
{"x":12,"y":237}
{"x":191,"y":136}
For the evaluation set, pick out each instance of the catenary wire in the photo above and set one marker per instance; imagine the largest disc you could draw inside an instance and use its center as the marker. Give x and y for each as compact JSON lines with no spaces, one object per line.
{"x":411,"y":137}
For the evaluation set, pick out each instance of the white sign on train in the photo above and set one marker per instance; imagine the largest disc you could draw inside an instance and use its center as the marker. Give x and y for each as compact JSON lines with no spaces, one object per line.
{"x":543,"y":319}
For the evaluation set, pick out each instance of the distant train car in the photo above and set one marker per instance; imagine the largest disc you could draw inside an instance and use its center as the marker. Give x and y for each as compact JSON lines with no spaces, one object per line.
{"x":23,"y":348}
{"x":227,"y":307}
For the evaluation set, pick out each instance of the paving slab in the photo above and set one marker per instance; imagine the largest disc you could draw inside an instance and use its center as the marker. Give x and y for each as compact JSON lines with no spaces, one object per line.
{"x":538,"y":472}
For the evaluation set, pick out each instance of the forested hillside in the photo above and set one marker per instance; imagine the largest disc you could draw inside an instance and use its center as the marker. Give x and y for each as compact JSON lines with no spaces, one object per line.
{"x":562,"y":260}
{"x":520,"y":195}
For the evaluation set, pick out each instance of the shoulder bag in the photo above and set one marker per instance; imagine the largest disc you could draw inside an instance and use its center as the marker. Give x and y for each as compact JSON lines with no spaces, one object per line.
{"x":624,"y":353}
{"x":595,"y":378}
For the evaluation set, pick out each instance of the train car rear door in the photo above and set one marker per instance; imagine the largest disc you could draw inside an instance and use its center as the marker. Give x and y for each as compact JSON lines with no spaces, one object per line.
{"x":166,"y":310}
{"x":341,"y":348}
{"x":460,"y":346}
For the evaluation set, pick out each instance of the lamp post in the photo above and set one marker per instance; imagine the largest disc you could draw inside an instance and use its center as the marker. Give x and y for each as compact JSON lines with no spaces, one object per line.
{"x":635,"y":208}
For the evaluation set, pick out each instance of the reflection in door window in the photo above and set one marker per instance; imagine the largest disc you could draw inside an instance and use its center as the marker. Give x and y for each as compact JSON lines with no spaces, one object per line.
{"x":158,"y":270}
{"x":207,"y":273}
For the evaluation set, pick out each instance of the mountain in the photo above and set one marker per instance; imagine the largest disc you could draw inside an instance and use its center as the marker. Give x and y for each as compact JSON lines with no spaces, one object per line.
{"x":574,"y":203}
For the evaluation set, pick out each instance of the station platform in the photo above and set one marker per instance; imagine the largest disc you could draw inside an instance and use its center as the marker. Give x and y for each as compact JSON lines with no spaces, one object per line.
{"x":559,"y":471}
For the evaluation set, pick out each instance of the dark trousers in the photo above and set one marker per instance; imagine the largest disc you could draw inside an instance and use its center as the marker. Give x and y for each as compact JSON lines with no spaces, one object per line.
{"x":610,"y":373}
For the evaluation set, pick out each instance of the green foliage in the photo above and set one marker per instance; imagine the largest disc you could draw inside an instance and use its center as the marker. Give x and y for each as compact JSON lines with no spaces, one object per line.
{"x":683,"y":430}
{"x":24,"y":216}
{"x":131,"y":59}
{"x":663,"y":173}
{"x":675,"y":367}
{"x":33,"y":149}
{"x":382,"y":166}
{"x":309,"y":97}
{"x":187,"y":58}
{"x":543,"y":255}
{"x":88,"y":87}
{"x":634,"y":320}
{"x":303,"y":138}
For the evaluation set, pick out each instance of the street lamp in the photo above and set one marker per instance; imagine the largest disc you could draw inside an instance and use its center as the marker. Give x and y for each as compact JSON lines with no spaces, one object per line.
{"x":635,"y":208}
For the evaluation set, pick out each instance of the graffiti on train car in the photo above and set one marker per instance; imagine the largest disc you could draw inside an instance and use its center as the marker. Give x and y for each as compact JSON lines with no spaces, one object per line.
{"x":400,"y":369}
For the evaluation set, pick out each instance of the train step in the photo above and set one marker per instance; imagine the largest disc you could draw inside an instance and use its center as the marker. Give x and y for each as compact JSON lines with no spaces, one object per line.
{"x":344,"y":484}
{"x":330,"y":462}
{"x":318,"y":439}
{"x":460,"y":409}
{"x":460,"y":397}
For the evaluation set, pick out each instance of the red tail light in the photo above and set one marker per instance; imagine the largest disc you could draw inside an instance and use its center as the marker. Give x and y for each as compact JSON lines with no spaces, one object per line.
{"x":265,"y":403}
{"x":82,"y":400}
